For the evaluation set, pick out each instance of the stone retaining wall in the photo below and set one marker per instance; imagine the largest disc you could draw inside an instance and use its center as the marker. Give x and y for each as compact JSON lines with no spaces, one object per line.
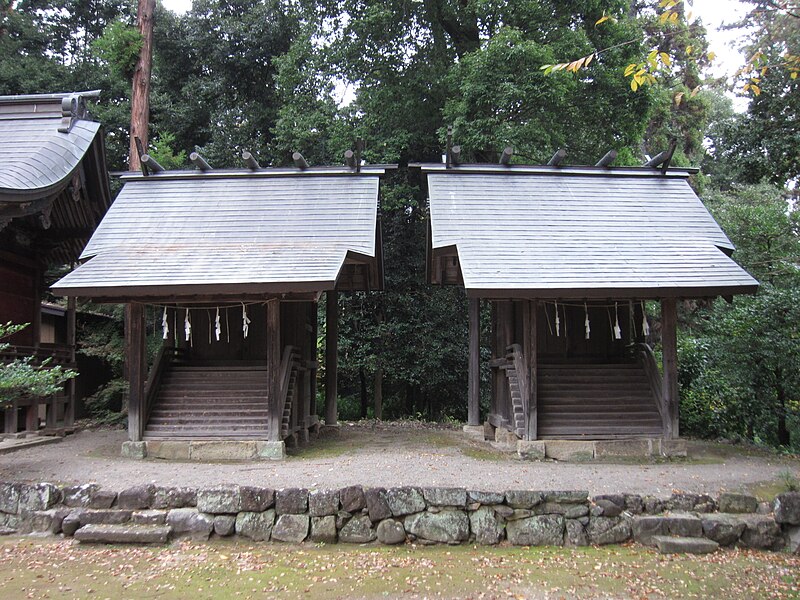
{"x":357,"y":515}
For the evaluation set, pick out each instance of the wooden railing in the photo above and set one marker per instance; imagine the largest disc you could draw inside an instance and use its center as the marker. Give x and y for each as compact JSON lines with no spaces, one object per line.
{"x":645,"y":357}
{"x":164,"y":357}
{"x":60,"y":354}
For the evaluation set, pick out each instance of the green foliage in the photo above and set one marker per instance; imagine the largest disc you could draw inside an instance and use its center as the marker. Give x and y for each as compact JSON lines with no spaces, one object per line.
{"x":119,"y":46}
{"x":739,"y":373}
{"x":22,"y":378}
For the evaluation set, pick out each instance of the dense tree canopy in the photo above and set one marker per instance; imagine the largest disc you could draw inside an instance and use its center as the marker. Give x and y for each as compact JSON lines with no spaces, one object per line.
{"x":267,"y":76}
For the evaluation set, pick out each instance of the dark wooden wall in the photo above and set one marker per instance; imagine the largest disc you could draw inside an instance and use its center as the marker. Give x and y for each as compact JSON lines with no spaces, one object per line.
{"x":19,"y":299}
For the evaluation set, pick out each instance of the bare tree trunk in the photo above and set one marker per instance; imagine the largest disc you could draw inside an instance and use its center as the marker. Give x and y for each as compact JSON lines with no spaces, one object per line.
{"x":140,"y":93}
{"x":362,"y":376}
{"x":379,"y":393}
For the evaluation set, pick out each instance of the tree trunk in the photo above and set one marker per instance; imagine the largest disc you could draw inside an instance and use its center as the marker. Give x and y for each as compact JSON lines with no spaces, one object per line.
{"x":362,"y":377}
{"x":140,"y":92}
{"x":378,"y":393}
{"x":784,"y":437}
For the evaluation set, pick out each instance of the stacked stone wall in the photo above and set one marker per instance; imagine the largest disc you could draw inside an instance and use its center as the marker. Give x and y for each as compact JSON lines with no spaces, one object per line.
{"x":359,"y":515}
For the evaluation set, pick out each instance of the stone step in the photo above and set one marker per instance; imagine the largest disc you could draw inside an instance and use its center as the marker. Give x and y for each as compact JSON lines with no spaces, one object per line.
{"x":667,"y":544}
{"x":124,"y":534}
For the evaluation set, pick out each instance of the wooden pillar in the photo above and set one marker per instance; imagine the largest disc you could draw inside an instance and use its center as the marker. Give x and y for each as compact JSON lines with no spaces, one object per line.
{"x":531,"y":351}
{"x":273,"y":314}
{"x":474,"y":381}
{"x":669,"y":350}
{"x":331,"y":363}
{"x":137,"y":369}
{"x":69,"y":409}
{"x":11,"y":418}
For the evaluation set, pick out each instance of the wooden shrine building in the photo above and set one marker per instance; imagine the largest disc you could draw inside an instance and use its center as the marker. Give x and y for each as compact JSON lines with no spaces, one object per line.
{"x":229,"y":265}
{"x":53,"y":193}
{"x":567,"y":257}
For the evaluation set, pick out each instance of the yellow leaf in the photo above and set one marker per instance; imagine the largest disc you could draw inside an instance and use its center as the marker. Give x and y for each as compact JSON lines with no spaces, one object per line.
{"x":630,"y":69}
{"x":678,"y":98}
{"x":602,"y":19}
{"x":665,"y":59}
{"x":664,"y":17}
{"x":756,"y":89}
{"x":793,"y":75}
{"x":711,"y":56}
{"x":689,"y":50}
{"x":674,"y":17}
{"x":694,"y":92}
{"x":589,"y":59}
{"x":634,"y":85}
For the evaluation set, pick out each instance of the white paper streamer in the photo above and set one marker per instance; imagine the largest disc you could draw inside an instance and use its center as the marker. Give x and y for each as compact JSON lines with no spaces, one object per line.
{"x":617,"y":328}
{"x":245,"y":321}
{"x":558,"y":322}
{"x":217,"y":325}
{"x":187,"y":326}
{"x":165,"y":324}
{"x":586,"y":324}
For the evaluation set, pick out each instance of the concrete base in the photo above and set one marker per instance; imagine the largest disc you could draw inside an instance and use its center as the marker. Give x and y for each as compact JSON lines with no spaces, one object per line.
{"x":534,"y":450}
{"x":474,"y":432}
{"x":205,"y":450}
{"x":587,"y":450}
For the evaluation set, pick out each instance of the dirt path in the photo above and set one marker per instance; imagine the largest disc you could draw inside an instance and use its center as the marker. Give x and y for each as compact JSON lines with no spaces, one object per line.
{"x":394,"y":456}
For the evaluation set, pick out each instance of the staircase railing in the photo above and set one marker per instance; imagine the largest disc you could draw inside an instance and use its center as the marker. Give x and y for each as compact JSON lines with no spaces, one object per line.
{"x":517,"y":360}
{"x":645,"y":357}
{"x":289,"y":363}
{"x":164,"y":357}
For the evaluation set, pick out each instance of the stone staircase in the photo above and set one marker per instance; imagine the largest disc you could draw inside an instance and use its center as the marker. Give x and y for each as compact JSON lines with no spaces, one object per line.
{"x":599,"y":401}
{"x":210,"y":401}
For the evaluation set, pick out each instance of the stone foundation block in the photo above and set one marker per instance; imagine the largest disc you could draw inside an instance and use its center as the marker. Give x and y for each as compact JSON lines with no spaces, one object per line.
{"x":569,"y":451}
{"x":737,"y":503}
{"x":134,"y":450}
{"x":445,"y":497}
{"x":291,"y":501}
{"x":647,"y":527}
{"x":358,"y":530}
{"x":323,"y":529}
{"x":684,"y":545}
{"x":761,"y":532}
{"x":149,"y":517}
{"x":136,"y":497}
{"x":190,"y":523}
{"x":271,"y":450}
{"x":544,"y":530}
{"x":487,"y":526}
{"x":725,"y":529}
{"x":168,"y":450}
{"x":787,"y":508}
{"x":323,"y":503}
{"x":531,"y":450}
{"x":41,"y":496}
{"x":255,"y":525}
{"x":174,"y":497}
{"x":623,"y":448}
{"x":448,"y":526}
{"x":684,"y":525}
{"x":219,"y":500}
{"x":608,"y":530}
{"x":123,"y":534}
{"x":474,"y":432}
{"x":224,"y":525}
{"x":405,"y":501}
{"x":352,"y":498}
{"x":674,"y":448}
{"x":223,"y":450}
{"x":391,"y":532}
{"x":377,"y":506}
{"x":291,"y":528}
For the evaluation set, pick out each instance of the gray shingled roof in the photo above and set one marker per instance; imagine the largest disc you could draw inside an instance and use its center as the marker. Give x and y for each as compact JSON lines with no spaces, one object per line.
{"x":36,"y":159}
{"x":229,"y":232}
{"x":580,"y":233}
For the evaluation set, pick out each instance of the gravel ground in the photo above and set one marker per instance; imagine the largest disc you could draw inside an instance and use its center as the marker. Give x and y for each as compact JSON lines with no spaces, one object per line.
{"x":394,"y":456}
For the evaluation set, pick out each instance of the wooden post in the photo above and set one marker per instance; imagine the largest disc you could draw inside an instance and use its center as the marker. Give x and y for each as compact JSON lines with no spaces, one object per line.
{"x":11,"y":420}
{"x":331,"y":363}
{"x":474,"y":381}
{"x":137,"y":369}
{"x":140,"y":95}
{"x":531,"y":351}
{"x":69,"y":409}
{"x":669,"y":350}
{"x":273,"y":310}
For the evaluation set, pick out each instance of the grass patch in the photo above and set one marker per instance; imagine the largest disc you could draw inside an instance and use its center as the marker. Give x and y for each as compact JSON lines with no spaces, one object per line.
{"x":489,"y":453}
{"x":234,"y":569}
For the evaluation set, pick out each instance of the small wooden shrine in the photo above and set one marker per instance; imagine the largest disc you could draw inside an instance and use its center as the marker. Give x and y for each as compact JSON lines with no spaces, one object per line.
{"x":568,"y":258}
{"x":230,"y":263}
{"x":53,"y":193}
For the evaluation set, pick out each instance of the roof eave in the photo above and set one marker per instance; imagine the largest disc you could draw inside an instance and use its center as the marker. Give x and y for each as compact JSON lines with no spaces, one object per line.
{"x":619,"y":293}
